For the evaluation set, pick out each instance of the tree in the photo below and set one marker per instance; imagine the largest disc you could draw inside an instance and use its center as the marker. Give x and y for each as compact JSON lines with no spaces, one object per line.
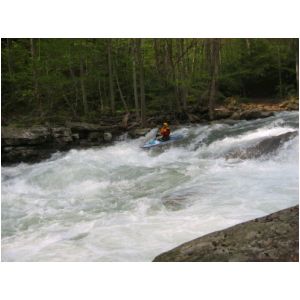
{"x":110,"y":72}
{"x":35,"y":76}
{"x":55,"y":79}
{"x":82,"y":81}
{"x":214,"y":60}
{"x":141,"y":81}
{"x":134,"y":80}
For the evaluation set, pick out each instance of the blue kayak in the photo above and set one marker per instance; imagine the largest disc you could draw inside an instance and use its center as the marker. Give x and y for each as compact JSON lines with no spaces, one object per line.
{"x":155,"y":143}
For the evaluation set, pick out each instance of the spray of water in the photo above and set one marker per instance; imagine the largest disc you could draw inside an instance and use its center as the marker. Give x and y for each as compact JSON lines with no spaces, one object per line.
{"x":122,"y":203}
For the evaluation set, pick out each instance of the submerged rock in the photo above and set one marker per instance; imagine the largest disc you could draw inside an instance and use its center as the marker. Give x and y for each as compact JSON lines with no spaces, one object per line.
{"x":269,"y":145}
{"x":271,"y":238}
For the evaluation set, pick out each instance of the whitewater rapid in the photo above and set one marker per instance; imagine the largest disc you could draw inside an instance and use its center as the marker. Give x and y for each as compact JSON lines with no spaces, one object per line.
{"x":122,"y":203}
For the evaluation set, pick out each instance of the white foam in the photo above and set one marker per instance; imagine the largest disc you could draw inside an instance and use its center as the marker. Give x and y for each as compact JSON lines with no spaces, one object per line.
{"x":121,"y":203}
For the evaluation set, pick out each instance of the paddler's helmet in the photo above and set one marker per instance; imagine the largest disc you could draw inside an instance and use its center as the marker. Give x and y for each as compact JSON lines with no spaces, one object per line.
{"x":165,"y":124}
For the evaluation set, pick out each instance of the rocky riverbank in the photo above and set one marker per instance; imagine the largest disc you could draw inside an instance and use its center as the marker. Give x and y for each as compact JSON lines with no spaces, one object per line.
{"x":36,"y":143}
{"x":39,"y":142}
{"x":271,"y":238}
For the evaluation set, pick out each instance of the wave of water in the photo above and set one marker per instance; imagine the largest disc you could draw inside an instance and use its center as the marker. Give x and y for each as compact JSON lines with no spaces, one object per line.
{"x":121,"y":203}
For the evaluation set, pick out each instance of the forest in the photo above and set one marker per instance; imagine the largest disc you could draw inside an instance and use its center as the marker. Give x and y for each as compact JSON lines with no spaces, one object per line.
{"x":55,"y":80}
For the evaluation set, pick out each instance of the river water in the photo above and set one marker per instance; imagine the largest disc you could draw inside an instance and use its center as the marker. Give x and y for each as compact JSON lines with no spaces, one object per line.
{"x":122,"y":203}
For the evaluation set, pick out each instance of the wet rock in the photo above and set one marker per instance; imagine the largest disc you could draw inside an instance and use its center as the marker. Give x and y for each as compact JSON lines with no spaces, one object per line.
{"x":75,"y":136}
{"x":267,"y":146}
{"x":235,"y":116}
{"x":138,"y":132}
{"x":222,"y":114}
{"x":193,"y":118}
{"x":62,"y":135}
{"x":11,"y":136}
{"x":24,"y":154}
{"x":290,"y":104}
{"x":255,"y":114}
{"x":82,"y":126}
{"x":107,"y":136}
{"x":271,"y":238}
{"x":95,"y":137}
{"x":37,"y":143}
{"x":251,"y":115}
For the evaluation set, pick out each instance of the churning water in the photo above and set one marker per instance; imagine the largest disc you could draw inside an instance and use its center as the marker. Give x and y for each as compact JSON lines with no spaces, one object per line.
{"x":121,"y":203}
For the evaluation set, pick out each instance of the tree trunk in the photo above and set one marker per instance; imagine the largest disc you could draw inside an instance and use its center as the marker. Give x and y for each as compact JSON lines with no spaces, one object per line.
{"x":173,"y":75}
{"x":83,"y":91}
{"x":135,"y":92}
{"x":279,"y":72}
{"x":74,"y":85}
{"x":70,"y":105}
{"x":142,"y":84}
{"x":9,"y":64}
{"x":34,"y":77}
{"x":100,"y":96}
{"x":110,"y":74}
{"x":120,"y":92}
{"x":297,"y":65}
{"x":184,"y":92}
{"x":214,"y":72}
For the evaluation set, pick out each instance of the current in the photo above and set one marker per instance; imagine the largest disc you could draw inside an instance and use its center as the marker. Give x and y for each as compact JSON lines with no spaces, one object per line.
{"x":123,"y":203}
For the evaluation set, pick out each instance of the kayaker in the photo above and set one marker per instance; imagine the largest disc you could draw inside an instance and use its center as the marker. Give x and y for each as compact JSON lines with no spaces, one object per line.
{"x":165,"y":132}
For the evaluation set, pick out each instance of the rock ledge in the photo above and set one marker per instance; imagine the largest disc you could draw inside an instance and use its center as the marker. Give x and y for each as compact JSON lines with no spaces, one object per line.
{"x":271,"y":238}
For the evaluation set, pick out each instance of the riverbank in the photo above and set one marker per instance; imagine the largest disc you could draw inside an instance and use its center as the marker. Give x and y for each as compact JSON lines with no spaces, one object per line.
{"x":274,"y":237}
{"x":36,"y":143}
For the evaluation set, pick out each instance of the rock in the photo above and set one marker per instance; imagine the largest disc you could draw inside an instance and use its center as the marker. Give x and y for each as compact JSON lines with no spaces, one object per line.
{"x":37,"y":143}
{"x":222,"y":114}
{"x":82,"y":126}
{"x":24,"y":154}
{"x":138,"y":132}
{"x":193,"y":118}
{"x":235,"y":116}
{"x":107,"y":136}
{"x":95,"y":137}
{"x":266,"y":146}
{"x":290,"y":104}
{"x":229,"y":122}
{"x":20,"y":136}
{"x":271,"y":238}
{"x":255,"y":114}
{"x":75,"y":136}
{"x":62,"y":135}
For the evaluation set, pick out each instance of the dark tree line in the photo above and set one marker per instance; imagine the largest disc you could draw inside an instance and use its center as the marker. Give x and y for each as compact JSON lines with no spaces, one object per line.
{"x":88,"y":78}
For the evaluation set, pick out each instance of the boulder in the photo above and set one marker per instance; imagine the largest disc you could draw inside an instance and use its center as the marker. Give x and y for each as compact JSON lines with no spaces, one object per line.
{"x":95,"y":137}
{"x":82,"y":126}
{"x":267,"y":146}
{"x":138,"y":132}
{"x":11,"y":136}
{"x":12,"y":155}
{"x":222,"y":114}
{"x":107,"y":136}
{"x":255,"y":114}
{"x":290,"y":104}
{"x":62,"y":135}
{"x":193,"y":118}
{"x":271,"y":238}
{"x":235,"y":116}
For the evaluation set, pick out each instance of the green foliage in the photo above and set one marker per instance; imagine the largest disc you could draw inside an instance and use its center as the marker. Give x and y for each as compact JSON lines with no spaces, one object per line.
{"x":44,"y":79}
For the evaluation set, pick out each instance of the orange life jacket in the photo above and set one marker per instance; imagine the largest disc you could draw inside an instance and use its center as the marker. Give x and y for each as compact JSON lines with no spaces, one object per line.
{"x":165,"y":131}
